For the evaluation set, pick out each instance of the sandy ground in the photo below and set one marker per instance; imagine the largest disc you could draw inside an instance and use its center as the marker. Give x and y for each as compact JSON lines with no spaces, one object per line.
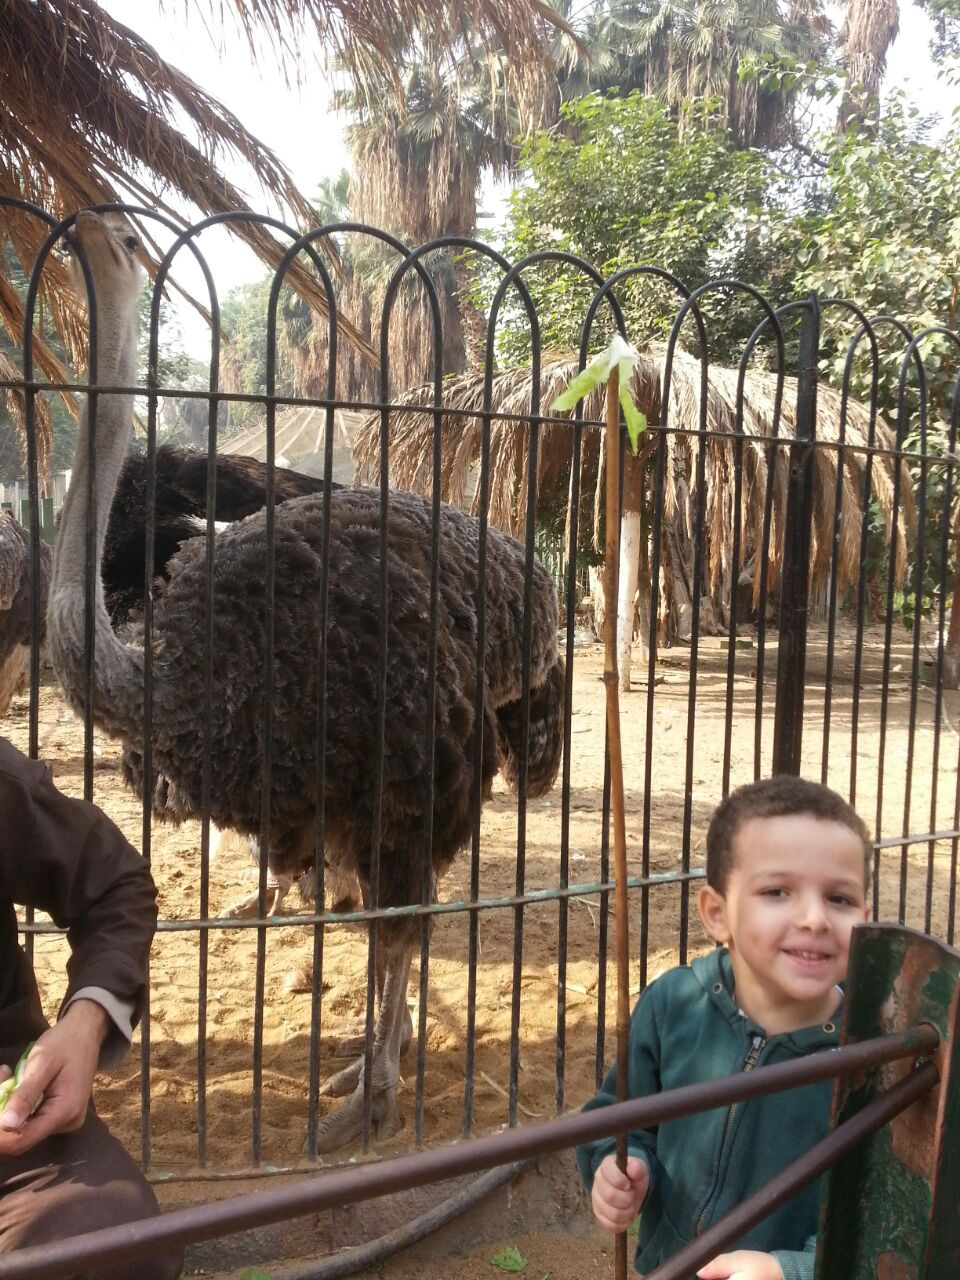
{"x":201,"y":1100}
{"x":535,"y":1257}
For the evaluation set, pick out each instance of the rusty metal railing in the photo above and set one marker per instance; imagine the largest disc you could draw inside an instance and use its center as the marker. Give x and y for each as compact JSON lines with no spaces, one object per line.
{"x":346,"y":1186}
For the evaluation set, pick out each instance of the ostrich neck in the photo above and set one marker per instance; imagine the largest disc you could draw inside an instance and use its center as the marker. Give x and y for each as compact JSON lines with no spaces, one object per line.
{"x":104,"y":433}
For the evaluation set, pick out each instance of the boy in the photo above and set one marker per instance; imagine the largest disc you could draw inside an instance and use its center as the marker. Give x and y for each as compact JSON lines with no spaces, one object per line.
{"x":788,"y":866}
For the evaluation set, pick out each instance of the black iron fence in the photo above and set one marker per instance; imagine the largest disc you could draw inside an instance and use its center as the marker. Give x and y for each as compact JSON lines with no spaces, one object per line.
{"x":796,"y":559}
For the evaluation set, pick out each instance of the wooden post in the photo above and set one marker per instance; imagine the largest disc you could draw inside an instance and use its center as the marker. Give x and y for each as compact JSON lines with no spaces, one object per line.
{"x":611,"y":557}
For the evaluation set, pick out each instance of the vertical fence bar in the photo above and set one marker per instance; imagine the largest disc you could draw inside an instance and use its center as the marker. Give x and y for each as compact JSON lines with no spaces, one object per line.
{"x":699,"y":524}
{"x":791,"y":661}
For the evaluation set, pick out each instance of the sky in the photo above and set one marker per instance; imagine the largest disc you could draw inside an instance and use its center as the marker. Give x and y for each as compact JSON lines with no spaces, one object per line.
{"x":295,"y":122}
{"x":298,"y":125}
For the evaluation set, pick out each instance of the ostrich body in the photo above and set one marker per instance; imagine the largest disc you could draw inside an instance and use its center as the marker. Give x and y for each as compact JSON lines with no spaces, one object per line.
{"x":351,"y":645}
{"x":16,"y":580}
{"x":180,"y":505}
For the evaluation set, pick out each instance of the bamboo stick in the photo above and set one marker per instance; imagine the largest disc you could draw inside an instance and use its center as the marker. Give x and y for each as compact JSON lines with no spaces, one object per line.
{"x":611,"y":558}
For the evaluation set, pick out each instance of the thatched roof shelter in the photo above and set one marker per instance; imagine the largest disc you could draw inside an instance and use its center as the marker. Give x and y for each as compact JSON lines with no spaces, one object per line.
{"x":411,"y":444}
{"x":299,"y":441}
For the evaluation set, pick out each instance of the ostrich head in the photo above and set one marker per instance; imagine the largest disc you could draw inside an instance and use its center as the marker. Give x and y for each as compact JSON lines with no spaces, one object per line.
{"x":109,"y":245}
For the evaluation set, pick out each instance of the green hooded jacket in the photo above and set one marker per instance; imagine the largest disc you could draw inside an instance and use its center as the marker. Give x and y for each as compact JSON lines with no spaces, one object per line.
{"x":687,"y":1029}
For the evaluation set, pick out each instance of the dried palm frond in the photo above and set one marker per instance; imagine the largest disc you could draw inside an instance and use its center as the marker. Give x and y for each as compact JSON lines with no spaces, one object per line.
{"x":85,"y":119}
{"x":363,"y":36}
{"x":711,"y":427}
{"x":87,"y":107}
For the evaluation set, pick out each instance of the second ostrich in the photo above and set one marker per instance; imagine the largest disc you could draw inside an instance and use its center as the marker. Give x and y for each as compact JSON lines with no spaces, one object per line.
{"x":402,"y":825}
{"x":17,"y":567}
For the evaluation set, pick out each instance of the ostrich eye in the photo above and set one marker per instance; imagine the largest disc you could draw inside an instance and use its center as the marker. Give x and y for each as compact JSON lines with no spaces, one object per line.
{"x":131,"y":242}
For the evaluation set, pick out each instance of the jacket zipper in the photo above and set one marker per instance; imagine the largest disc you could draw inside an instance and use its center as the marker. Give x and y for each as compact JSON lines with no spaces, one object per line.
{"x":749,"y":1062}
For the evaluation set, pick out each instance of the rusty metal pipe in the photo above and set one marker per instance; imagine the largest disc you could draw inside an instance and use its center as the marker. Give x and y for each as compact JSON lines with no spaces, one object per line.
{"x":810,"y":1166}
{"x":364,"y":1182}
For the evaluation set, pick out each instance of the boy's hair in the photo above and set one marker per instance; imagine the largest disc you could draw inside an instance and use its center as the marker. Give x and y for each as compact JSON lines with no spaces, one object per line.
{"x":777,"y":797}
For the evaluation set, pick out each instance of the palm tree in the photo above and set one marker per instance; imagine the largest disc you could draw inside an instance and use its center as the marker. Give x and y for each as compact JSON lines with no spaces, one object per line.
{"x":418,"y":157}
{"x":417,"y":165}
{"x":87,"y":111}
{"x":869,"y":29}
{"x":692,"y":49}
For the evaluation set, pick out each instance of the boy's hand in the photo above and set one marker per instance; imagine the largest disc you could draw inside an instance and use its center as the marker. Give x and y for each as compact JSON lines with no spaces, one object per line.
{"x":618,"y":1194}
{"x":744,"y":1264}
{"x":53,"y":1095}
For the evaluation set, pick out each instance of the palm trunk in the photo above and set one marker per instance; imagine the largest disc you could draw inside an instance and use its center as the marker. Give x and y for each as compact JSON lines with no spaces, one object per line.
{"x":631,"y":538}
{"x":472,"y":319}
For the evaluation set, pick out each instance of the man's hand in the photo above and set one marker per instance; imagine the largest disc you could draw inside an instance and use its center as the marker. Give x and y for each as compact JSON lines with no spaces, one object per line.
{"x":744,"y":1264}
{"x":53,"y":1095}
{"x":618,"y":1194}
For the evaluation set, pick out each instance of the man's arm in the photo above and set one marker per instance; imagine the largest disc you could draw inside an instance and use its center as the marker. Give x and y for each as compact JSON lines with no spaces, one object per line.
{"x":121,"y":1015}
{"x":65,"y":857}
{"x":69,"y":860}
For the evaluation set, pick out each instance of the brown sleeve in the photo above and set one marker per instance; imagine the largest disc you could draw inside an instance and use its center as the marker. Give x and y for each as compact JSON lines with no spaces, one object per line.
{"x":65,"y":857}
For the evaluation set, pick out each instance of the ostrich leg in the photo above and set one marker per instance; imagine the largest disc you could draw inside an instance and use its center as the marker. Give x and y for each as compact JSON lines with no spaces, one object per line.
{"x":393,"y":1022}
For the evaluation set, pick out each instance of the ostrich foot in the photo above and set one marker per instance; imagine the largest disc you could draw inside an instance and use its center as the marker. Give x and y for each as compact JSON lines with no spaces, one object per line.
{"x":344,"y":1081}
{"x":393,"y":1025}
{"x":346,"y":1123}
{"x":355,"y":1042}
{"x":277,"y":890}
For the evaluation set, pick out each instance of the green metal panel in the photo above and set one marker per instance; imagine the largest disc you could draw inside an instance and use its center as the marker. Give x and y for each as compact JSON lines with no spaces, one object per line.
{"x":891,"y":1209}
{"x":47,"y":522}
{"x":47,"y":527}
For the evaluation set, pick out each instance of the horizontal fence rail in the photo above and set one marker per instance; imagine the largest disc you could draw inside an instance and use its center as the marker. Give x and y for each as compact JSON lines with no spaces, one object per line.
{"x":204,"y":1222}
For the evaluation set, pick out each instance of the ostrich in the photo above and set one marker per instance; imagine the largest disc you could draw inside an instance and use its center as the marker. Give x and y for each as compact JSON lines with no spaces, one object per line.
{"x":16,"y":578}
{"x":180,"y":506}
{"x":403,"y":823}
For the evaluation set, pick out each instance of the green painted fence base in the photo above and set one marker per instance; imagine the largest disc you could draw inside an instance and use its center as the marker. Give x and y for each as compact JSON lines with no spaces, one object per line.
{"x":891,"y":1209}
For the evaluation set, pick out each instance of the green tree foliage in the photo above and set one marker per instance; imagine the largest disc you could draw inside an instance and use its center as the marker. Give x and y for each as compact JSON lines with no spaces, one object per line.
{"x":881,"y":228}
{"x":945,"y":15}
{"x":244,"y":354}
{"x":624,"y":187}
{"x":871,"y":218}
{"x":682,"y":52}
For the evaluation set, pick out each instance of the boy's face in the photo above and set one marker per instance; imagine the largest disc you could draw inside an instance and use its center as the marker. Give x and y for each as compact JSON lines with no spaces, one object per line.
{"x":794,"y":893}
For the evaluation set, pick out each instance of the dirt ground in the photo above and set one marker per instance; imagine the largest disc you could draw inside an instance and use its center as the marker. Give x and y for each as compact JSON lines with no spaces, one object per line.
{"x":200,"y":1086}
{"x":546,"y":1257}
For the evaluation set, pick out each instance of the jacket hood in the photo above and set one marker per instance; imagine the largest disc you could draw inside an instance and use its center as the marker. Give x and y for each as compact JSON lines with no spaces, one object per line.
{"x":714,"y":972}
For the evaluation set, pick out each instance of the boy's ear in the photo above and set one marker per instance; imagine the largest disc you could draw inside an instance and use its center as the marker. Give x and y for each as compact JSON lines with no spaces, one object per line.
{"x":713,"y":912}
